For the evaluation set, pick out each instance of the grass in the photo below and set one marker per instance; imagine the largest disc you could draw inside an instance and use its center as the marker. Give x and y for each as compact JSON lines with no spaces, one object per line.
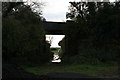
{"x":55,"y":51}
{"x":92,"y":70}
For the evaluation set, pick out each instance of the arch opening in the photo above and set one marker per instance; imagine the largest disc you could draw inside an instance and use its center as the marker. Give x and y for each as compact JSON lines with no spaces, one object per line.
{"x":55,"y":48}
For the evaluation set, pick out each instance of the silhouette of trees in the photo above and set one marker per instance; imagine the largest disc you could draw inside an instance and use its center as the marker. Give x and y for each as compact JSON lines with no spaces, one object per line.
{"x":23,"y":36}
{"x":96,"y":25}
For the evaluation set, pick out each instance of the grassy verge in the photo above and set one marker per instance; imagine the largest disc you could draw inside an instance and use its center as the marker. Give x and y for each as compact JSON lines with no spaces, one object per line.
{"x":92,"y":70}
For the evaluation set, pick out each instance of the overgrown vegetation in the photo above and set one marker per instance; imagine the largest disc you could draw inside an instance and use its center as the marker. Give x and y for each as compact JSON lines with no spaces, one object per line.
{"x":23,"y":39}
{"x":55,"y":50}
{"x":93,"y":34}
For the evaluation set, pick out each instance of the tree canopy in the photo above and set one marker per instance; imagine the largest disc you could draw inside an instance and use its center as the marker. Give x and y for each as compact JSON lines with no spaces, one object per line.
{"x":23,"y":35}
{"x":95,"y":32}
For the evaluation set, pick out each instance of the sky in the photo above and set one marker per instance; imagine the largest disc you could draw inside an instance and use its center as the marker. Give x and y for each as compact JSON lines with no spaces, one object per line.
{"x":55,"y":10}
{"x":55,"y":40}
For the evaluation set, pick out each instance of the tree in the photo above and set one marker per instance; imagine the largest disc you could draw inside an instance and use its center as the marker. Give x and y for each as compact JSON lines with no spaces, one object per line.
{"x":23,"y":37}
{"x":96,"y":28}
{"x":7,"y":7}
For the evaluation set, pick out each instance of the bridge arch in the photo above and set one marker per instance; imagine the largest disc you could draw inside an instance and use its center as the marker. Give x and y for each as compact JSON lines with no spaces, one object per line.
{"x":53,"y":29}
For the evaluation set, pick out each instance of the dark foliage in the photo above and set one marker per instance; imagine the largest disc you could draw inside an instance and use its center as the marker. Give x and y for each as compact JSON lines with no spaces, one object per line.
{"x":23,"y":37}
{"x":95,"y":33}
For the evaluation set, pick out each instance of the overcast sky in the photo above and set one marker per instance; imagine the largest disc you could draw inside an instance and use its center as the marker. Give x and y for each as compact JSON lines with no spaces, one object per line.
{"x":55,"y":10}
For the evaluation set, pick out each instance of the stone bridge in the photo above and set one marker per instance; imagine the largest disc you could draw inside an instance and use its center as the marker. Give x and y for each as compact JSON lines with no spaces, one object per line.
{"x":54,"y":28}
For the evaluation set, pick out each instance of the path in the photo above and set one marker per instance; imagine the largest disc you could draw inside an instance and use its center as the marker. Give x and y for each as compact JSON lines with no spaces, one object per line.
{"x":13,"y":71}
{"x":67,"y":75}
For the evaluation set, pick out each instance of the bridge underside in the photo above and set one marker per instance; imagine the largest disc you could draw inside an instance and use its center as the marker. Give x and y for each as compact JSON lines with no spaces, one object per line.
{"x":57,"y":32}
{"x":54,"y":28}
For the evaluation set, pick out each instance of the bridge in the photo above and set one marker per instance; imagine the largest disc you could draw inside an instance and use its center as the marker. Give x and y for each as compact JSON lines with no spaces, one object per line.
{"x":54,"y":28}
